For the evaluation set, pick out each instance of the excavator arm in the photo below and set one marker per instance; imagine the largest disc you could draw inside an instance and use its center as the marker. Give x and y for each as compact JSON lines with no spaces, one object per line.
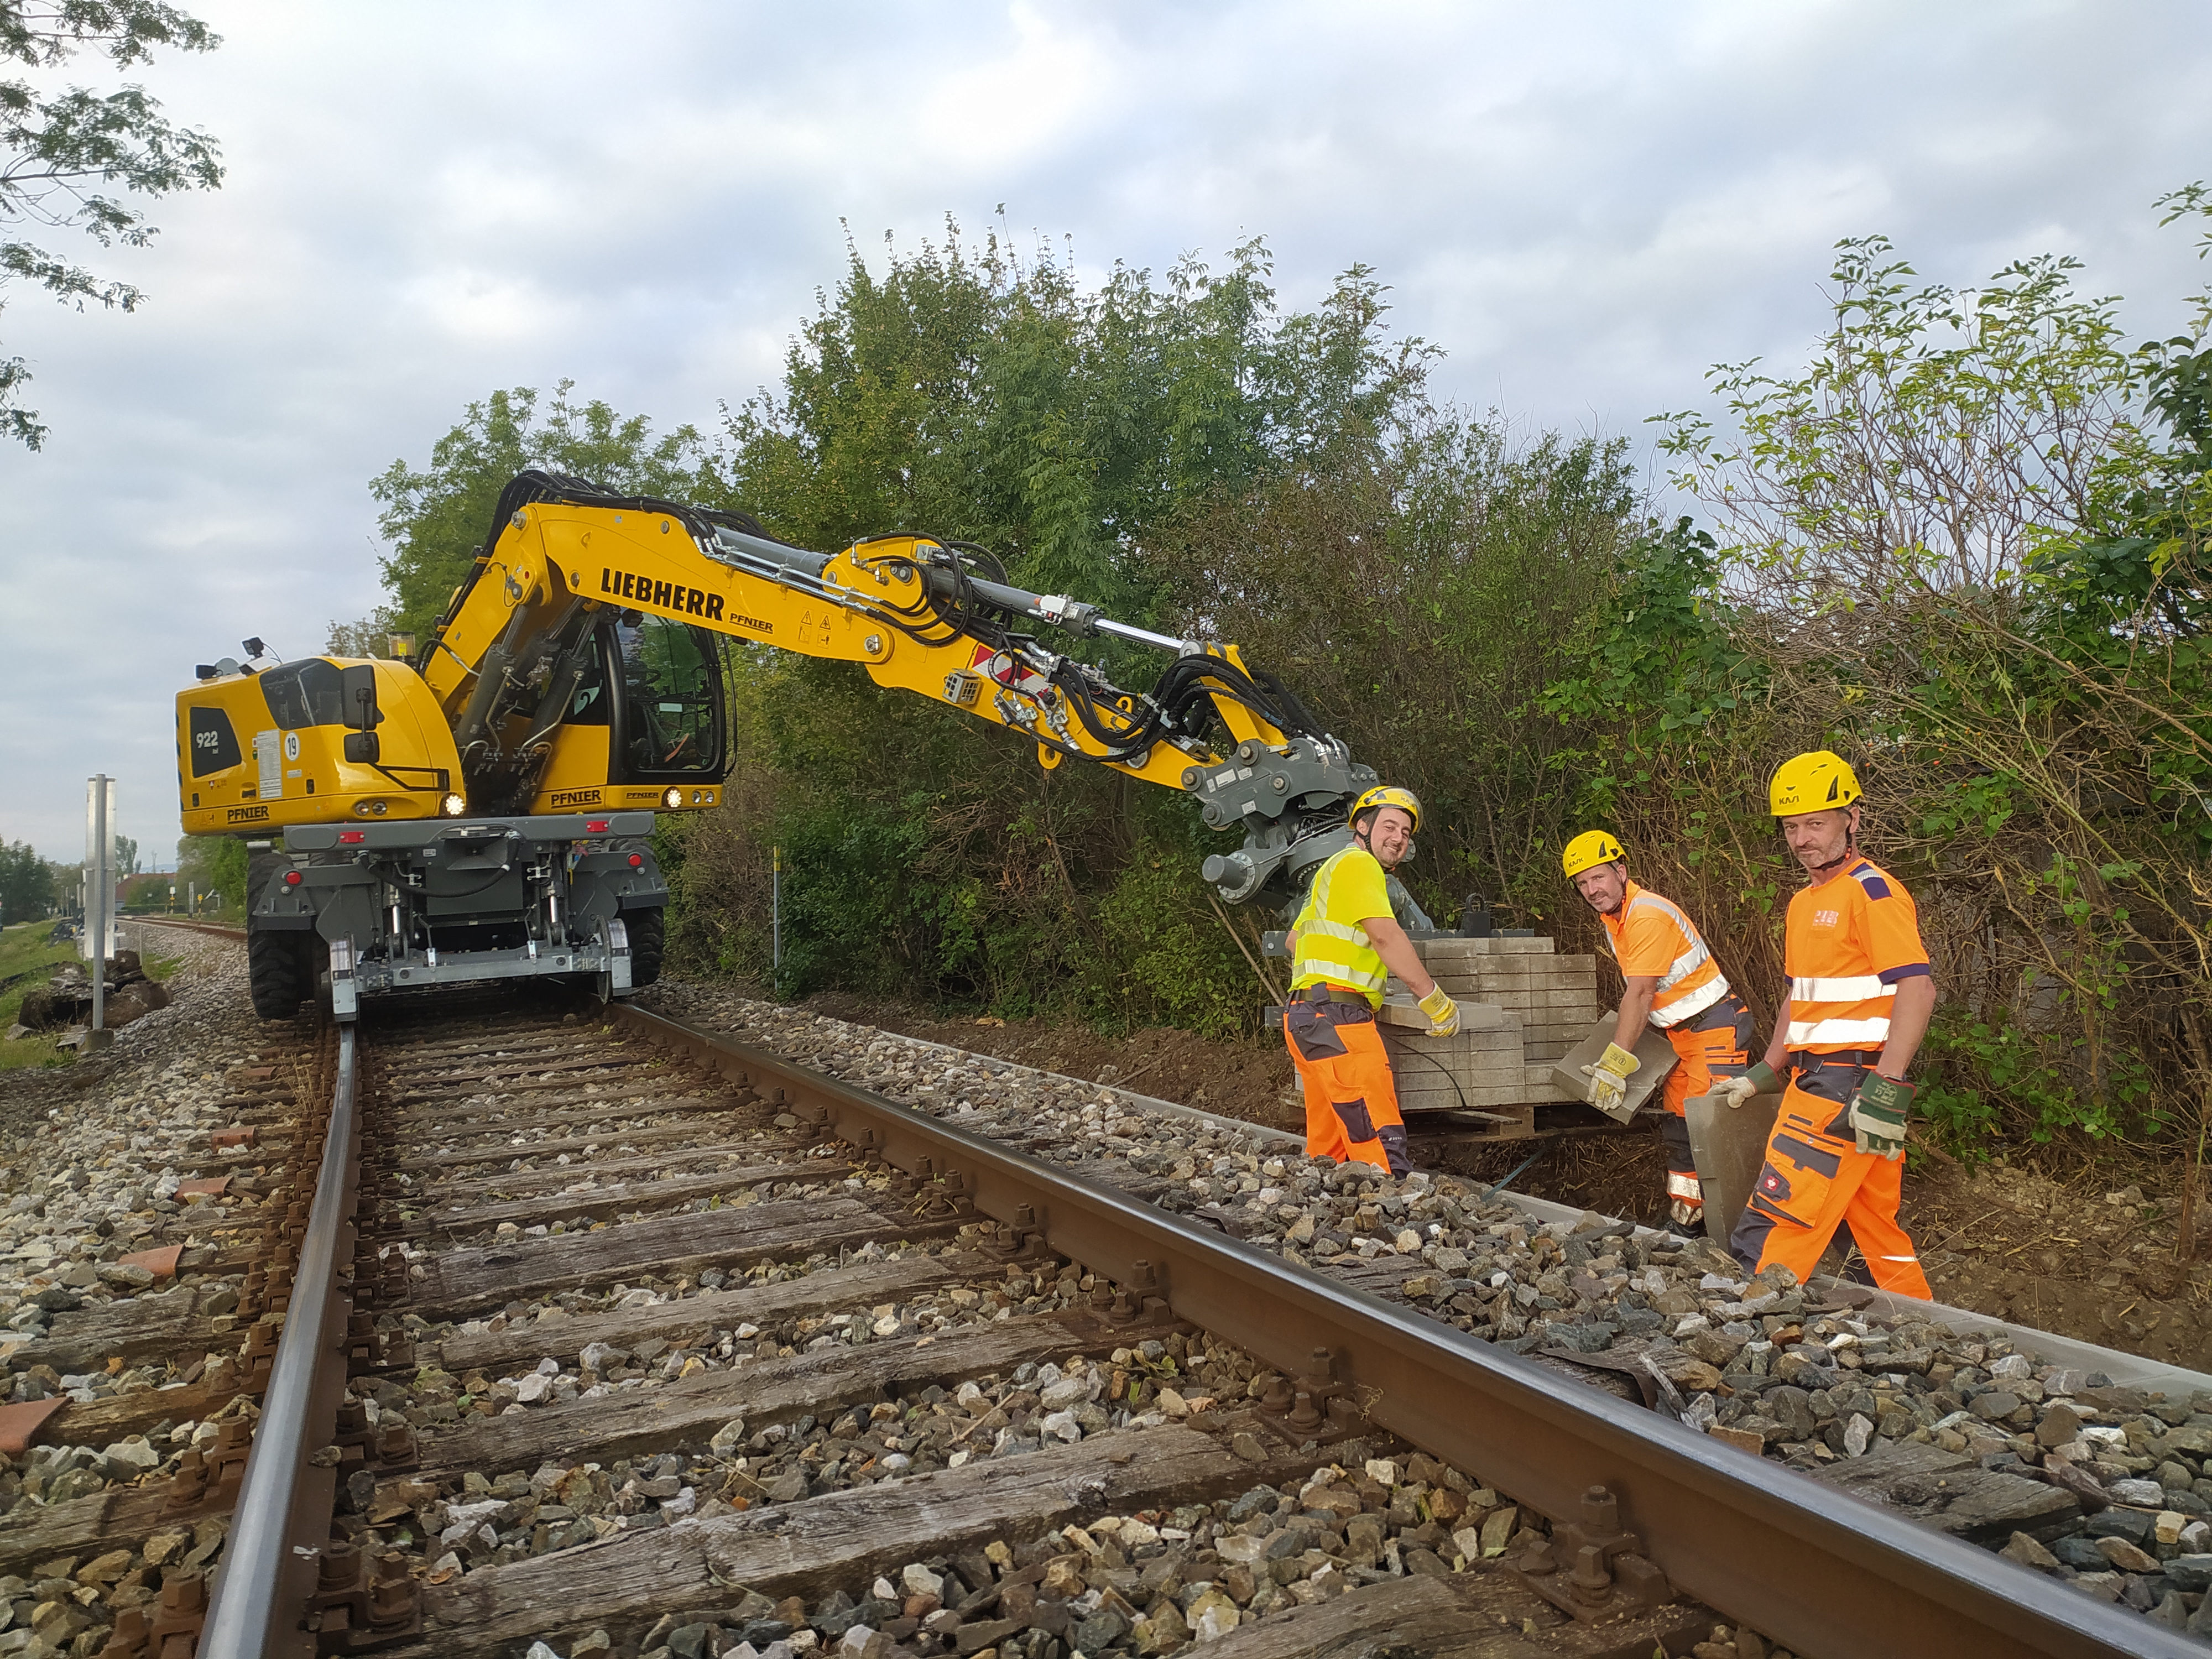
{"x":934,"y":618}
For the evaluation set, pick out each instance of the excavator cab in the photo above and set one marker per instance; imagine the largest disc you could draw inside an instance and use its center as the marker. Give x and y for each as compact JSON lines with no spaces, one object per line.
{"x":646,"y":726}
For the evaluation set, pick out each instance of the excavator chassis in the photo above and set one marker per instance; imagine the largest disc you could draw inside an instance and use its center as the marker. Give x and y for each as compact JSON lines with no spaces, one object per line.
{"x":346,"y":912}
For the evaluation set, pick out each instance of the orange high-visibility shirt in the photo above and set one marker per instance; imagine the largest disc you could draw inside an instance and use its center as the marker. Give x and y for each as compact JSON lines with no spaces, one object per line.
{"x":1650,"y":935}
{"x":1849,"y":942}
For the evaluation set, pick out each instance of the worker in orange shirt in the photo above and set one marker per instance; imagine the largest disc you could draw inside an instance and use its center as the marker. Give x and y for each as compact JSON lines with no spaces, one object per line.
{"x":1861,"y":992}
{"x":1670,"y":982}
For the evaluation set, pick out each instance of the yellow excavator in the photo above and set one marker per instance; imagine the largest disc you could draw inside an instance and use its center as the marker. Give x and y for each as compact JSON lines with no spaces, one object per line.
{"x":484,"y":810}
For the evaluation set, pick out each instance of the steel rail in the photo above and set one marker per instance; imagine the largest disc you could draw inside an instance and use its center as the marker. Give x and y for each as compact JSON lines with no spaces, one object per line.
{"x":189,"y":924}
{"x":1824,"y":1572}
{"x":252,"y":1611}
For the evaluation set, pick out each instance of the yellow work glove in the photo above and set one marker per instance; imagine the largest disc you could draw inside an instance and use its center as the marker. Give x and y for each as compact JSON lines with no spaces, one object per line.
{"x":1443,"y":1012}
{"x":1760,"y":1080}
{"x":1609,"y":1078}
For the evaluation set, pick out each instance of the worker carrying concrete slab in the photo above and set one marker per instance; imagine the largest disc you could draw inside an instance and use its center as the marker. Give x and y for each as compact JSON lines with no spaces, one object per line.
{"x":1861,"y":992}
{"x":1345,"y":945}
{"x":1671,"y":983}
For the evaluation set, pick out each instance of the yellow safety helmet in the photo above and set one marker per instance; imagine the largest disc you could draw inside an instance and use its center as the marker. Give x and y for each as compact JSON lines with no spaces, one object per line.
{"x":1383,"y":795}
{"x":1590,"y":849}
{"x":1812,"y":783}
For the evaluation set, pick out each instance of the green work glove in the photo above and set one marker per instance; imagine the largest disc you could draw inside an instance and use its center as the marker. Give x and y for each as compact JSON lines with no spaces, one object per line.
{"x":1759,"y":1080}
{"x":1878,"y":1112}
{"x":1609,"y":1078}
{"x":1443,"y":1012}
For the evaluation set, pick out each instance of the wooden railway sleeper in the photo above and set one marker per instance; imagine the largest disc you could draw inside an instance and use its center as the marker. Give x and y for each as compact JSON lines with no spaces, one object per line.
{"x":1609,"y":1576}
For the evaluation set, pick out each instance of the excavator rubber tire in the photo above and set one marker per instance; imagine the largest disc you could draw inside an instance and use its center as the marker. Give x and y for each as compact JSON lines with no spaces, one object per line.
{"x":648,"y":937}
{"x":276,"y":967}
{"x":276,"y":972}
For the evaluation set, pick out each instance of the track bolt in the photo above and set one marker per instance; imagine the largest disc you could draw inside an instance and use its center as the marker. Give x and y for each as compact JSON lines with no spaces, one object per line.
{"x":339,"y":1569}
{"x":189,"y":1485}
{"x":392,"y":1601}
{"x":395,"y":1446}
{"x":1601,"y":1512}
{"x":184,"y":1593}
{"x":1592,"y":1583}
{"x":128,"y":1639}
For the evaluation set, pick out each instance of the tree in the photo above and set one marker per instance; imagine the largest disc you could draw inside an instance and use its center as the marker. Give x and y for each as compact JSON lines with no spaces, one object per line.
{"x":27,"y":883}
{"x":59,"y":154}
{"x":213,"y":865}
{"x":436,"y":519}
{"x":371,"y":637}
{"x":1962,"y":545}
{"x":127,"y":856}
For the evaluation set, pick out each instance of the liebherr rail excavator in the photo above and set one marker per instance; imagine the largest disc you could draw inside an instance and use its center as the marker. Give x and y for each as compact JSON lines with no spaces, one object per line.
{"x":484,"y":811}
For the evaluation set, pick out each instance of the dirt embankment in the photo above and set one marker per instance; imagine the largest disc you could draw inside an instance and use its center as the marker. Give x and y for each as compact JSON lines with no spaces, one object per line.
{"x":2082,"y":1244}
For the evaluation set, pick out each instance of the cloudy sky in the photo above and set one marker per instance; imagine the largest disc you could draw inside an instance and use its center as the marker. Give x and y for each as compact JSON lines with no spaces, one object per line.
{"x":1584,"y":205}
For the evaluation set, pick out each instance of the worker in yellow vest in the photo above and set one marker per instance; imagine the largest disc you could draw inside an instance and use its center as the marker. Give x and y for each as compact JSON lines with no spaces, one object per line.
{"x":1671,"y":983}
{"x":1345,"y":945}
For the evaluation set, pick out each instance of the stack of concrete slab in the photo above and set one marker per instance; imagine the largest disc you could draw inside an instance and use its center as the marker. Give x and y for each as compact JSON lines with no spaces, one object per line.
{"x":1523,"y":1006}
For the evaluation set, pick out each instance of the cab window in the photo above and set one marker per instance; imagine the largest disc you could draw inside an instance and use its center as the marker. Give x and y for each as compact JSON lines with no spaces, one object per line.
{"x":309,"y":693}
{"x":668,"y":697}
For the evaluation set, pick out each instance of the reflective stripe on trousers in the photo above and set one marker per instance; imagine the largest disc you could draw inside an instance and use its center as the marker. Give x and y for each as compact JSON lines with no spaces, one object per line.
{"x":1686,"y":1193}
{"x":1351,"y":1100}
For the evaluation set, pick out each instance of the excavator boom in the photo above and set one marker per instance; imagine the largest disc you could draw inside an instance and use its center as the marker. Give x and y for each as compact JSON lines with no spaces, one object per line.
{"x":918,"y":614}
{"x":485,"y":811}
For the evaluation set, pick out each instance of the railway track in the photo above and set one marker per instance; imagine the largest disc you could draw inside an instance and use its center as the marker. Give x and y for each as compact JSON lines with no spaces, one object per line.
{"x":616,"y":1336}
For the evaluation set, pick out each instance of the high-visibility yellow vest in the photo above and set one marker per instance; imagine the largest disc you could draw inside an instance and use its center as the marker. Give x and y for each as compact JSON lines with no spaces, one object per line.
{"x":1332,"y":946}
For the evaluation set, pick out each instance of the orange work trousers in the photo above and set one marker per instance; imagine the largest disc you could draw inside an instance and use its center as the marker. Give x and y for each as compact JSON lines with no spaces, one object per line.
{"x":1814,"y":1181}
{"x":1351,"y":1099}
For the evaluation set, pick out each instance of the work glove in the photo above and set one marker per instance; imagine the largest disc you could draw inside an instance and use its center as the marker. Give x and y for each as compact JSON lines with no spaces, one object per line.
{"x":1878,"y":1114}
{"x":1443,"y":1012}
{"x":1609,"y":1078}
{"x":1760,"y":1080}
